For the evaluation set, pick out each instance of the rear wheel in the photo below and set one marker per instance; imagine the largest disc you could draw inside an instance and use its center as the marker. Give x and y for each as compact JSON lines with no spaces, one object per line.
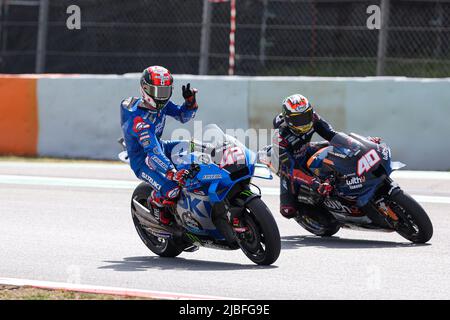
{"x":261,"y":243}
{"x":318,"y":221}
{"x":160,"y":246}
{"x":414,"y":223}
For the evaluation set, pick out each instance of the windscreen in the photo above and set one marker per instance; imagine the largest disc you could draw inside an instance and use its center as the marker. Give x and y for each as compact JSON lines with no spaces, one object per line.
{"x":219,"y":148}
{"x":225,"y":150}
{"x":345,"y":144}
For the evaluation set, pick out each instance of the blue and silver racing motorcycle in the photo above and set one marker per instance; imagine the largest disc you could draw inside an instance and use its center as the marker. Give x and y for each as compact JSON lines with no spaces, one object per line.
{"x":364,"y":197}
{"x":216,"y":208}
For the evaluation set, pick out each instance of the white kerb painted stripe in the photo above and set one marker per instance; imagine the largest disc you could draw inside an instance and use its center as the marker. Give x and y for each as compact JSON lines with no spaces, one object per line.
{"x":122,"y":184}
{"x":420,"y":198}
{"x":400,"y":174}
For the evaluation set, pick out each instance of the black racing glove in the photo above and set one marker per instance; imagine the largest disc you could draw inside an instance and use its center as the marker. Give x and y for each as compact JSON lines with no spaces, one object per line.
{"x":189,"y":96}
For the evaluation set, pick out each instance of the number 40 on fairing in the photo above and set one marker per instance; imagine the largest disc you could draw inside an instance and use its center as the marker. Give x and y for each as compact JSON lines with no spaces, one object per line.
{"x":367,"y":162}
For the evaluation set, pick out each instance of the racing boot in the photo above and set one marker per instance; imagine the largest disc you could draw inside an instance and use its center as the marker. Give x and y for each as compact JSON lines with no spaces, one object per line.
{"x":160,"y":210}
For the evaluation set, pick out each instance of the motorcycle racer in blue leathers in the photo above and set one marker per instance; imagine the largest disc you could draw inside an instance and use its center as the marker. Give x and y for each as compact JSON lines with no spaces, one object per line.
{"x":142,"y":121}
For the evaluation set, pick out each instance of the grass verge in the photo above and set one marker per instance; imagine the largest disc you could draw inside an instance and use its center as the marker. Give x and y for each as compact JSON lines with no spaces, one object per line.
{"x":8,"y":292}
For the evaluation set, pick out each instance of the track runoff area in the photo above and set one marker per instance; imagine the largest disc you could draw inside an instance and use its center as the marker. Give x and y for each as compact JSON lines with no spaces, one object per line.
{"x":67,"y":225}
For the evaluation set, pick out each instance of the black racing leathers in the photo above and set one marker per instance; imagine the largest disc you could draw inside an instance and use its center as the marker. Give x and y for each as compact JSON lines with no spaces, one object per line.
{"x":291,"y":152}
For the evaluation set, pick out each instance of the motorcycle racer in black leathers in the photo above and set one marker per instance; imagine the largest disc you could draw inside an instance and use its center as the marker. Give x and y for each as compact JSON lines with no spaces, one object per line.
{"x":292,"y":147}
{"x":294,"y":128}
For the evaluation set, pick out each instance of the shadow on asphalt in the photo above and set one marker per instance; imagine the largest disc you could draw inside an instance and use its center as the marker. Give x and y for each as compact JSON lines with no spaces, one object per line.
{"x":155,"y":262}
{"x":295,"y":242}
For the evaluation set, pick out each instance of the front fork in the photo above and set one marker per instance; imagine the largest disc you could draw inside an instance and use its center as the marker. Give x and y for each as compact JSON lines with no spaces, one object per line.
{"x":378,"y":210}
{"x":228,"y":215}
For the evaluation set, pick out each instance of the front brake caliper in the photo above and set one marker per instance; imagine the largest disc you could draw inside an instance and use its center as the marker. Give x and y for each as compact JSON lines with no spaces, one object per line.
{"x":386,"y":210}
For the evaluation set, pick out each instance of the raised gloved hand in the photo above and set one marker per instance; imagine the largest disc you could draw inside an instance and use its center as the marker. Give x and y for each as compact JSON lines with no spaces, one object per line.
{"x":179,"y":176}
{"x":189,"y":96}
{"x":323,"y":188}
{"x":376,"y":140}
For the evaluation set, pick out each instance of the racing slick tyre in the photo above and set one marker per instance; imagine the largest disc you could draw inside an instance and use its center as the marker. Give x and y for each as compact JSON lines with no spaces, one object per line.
{"x":414,"y":223}
{"x":261,"y":243}
{"x":160,"y":246}
{"x":317,"y":220}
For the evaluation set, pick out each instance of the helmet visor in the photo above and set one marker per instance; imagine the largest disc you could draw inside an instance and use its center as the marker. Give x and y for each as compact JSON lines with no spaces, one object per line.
{"x":300,"y":120}
{"x":159,"y":92}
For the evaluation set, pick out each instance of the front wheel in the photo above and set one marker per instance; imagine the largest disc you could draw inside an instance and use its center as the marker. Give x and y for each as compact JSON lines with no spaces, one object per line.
{"x":261,"y":243}
{"x":413,"y":222}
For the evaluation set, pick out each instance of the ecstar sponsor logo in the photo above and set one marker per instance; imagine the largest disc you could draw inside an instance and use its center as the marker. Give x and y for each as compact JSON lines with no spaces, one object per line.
{"x":212,"y":176}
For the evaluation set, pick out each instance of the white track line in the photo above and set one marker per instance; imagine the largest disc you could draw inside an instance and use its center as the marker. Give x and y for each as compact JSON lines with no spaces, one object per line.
{"x":123,"y":184}
{"x":64,"y":165}
{"x":401,"y":174}
{"x":420,"y":198}
{"x":421,"y":175}
{"x":68,"y":182}
{"x":108,"y":290}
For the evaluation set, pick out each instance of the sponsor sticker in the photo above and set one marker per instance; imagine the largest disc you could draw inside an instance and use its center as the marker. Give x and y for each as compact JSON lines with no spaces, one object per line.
{"x":149,"y":163}
{"x":159,"y":162}
{"x":156,"y":150}
{"x":139,"y":124}
{"x":143,"y":137}
{"x":355,"y":182}
{"x":336,"y":154}
{"x":151,"y":181}
{"x":173,"y":193}
{"x":385,"y":152}
{"x":212,"y":176}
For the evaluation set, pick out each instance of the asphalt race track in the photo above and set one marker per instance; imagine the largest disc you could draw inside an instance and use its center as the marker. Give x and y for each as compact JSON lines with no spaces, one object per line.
{"x":69,"y":222}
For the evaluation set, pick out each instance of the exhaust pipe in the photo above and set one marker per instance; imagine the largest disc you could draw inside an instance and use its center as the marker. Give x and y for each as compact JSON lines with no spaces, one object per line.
{"x":146,"y":219}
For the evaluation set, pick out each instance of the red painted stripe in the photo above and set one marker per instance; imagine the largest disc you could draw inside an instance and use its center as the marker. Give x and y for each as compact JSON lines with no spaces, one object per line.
{"x":232,"y":37}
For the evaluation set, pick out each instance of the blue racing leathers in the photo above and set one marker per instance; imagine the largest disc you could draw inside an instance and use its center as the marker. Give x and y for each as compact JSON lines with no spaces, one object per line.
{"x":150,"y":157}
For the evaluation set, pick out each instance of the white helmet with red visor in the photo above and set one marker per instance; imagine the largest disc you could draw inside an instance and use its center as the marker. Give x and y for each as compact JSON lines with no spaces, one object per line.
{"x":156,"y":87}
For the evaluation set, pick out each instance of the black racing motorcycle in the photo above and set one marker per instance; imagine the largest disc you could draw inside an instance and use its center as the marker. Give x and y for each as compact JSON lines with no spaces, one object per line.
{"x":364,"y":196}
